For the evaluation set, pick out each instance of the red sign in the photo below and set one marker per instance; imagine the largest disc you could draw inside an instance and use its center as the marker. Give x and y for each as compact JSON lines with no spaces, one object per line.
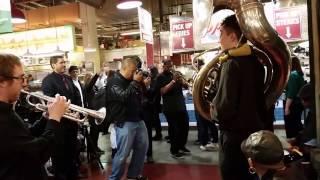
{"x":288,"y":23}
{"x":149,"y":48}
{"x":182,"y":34}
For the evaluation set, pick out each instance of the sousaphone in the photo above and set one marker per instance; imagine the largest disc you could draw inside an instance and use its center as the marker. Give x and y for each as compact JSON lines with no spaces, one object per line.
{"x":270,"y":48}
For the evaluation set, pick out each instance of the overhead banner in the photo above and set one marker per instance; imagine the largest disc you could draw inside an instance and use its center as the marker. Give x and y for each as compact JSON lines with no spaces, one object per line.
{"x":181,"y":29}
{"x":288,"y":23}
{"x":145,"y":25}
{"x":5,"y":16}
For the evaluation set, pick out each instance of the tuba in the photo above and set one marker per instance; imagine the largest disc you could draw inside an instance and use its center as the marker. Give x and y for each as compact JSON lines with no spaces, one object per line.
{"x":269,"y":47}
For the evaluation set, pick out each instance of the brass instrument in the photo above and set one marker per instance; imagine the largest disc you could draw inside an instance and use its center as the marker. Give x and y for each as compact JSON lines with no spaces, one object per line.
{"x":74,"y":110}
{"x":270,"y":48}
{"x":180,"y":77}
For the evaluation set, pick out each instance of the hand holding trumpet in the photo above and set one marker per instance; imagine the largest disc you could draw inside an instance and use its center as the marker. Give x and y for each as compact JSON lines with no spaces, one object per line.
{"x":58,"y":107}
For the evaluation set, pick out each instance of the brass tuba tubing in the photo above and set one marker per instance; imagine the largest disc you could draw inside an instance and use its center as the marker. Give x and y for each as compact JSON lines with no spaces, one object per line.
{"x":256,"y":28}
{"x":76,"y":110}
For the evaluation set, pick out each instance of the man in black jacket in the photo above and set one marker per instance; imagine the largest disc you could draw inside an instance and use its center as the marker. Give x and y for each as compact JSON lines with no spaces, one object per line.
{"x":124,"y":99}
{"x":22,"y":156}
{"x":64,"y":159}
{"x":239,"y":104}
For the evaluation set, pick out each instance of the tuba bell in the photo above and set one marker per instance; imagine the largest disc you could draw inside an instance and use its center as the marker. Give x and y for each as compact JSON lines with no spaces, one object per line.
{"x":269,"y":47}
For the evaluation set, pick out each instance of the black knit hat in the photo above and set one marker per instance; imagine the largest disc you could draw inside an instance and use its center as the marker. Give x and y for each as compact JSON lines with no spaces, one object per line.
{"x":264,"y":148}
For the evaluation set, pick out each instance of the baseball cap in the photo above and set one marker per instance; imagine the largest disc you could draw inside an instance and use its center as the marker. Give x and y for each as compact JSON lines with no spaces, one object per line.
{"x":265,"y":148}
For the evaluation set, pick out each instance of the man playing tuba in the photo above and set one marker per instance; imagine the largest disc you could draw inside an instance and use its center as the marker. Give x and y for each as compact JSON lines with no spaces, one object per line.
{"x":238,"y":104}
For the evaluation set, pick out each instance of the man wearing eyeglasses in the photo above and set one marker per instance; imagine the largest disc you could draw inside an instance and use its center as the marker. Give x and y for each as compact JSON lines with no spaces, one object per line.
{"x":64,"y":159}
{"x":22,"y":156}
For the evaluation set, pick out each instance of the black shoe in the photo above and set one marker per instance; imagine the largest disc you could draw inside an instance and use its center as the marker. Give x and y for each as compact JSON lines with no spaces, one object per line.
{"x":138,"y":178}
{"x":197,"y":142}
{"x":166,"y":138}
{"x":185,"y":151}
{"x":150,"y":159}
{"x":177,"y":156}
{"x":157,"y":138}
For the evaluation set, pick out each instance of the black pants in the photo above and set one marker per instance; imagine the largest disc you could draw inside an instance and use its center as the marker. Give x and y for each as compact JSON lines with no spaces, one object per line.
{"x":157,"y":123}
{"x":292,"y":122}
{"x":94,"y":132}
{"x":204,"y":126}
{"x":148,"y":116}
{"x":178,"y":129}
{"x":233,"y":163}
{"x":64,"y":159}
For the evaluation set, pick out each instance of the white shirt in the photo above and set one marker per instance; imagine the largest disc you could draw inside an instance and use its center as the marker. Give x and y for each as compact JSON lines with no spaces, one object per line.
{"x":101,"y":81}
{"x":77,"y":84}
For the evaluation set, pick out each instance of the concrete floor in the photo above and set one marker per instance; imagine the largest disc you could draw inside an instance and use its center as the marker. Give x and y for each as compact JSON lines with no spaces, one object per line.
{"x":161,"y":153}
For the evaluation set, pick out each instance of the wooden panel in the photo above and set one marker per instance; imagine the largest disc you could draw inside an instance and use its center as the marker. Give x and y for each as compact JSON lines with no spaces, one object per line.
{"x":51,"y":16}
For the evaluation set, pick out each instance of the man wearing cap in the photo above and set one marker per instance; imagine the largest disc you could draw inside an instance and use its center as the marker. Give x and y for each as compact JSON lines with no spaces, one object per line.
{"x":264,"y":152}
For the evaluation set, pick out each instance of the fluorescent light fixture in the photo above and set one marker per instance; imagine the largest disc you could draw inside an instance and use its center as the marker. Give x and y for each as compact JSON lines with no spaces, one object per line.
{"x":132,"y":32}
{"x":88,"y":49}
{"x":128,"y":4}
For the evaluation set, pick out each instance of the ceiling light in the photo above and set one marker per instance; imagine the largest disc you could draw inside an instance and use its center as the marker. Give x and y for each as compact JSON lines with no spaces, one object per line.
{"x":17,"y":15}
{"x":128,"y":4}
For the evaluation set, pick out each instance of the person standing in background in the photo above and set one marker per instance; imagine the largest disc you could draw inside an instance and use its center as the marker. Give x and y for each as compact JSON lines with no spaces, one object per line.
{"x":292,"y":105}
{"x":102,"y":79}
{"x":64,"y":159}
{"x":74,"y":73}
{"x":174,"y":109}
{"x":124,"y":108}
{"x":156,"y":103}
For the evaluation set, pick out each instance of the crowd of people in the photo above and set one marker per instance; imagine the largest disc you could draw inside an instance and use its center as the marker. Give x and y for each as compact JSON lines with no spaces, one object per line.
{"x":133,"y":99}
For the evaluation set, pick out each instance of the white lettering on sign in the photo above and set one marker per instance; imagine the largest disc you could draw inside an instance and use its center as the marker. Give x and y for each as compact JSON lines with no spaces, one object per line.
{"x":284,"y":22}
{"x":178,"y":27}
{"x":287,"y":14}
{"x":182,"y":33}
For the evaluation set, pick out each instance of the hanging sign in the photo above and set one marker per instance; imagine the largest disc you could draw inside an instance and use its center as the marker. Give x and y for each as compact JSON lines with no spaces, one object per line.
{"x":181,"y":29}
{"x":5,"y":16}
{"x":288,"y":23}
{"x":145,"y":25}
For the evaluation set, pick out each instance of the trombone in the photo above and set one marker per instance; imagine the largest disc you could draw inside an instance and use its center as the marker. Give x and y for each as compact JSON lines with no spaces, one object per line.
{"x":74,"y":110}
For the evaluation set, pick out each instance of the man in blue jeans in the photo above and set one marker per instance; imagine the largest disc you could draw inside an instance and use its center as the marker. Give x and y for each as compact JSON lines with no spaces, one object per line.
{"x":124,"y":108}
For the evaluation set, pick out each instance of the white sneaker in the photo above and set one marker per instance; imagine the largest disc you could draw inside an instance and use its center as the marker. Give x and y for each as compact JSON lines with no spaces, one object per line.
{"x":203,"y":148}
{"x":212,"y":146}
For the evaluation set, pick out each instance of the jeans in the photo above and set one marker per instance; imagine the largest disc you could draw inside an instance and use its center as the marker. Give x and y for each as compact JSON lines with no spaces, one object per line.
{"x":204,"y":126}
{"x":131,"y":136}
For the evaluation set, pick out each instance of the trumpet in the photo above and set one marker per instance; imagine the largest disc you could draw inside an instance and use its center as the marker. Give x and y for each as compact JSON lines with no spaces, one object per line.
{"x":74,"y":110}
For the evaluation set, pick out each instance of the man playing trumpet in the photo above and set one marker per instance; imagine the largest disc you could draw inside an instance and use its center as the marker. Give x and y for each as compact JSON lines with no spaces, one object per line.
{"x":22,"y":156}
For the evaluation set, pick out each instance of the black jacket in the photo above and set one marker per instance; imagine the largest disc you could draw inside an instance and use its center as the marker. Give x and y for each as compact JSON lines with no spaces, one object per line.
{"x":239,"y":104}
{"x":123,"y":99}
{"x":53,"y":84}
{"x":22,"y":156}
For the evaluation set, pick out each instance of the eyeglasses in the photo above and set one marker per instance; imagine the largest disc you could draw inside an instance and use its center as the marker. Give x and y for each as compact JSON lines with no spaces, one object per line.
{"x":22,"y":77}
